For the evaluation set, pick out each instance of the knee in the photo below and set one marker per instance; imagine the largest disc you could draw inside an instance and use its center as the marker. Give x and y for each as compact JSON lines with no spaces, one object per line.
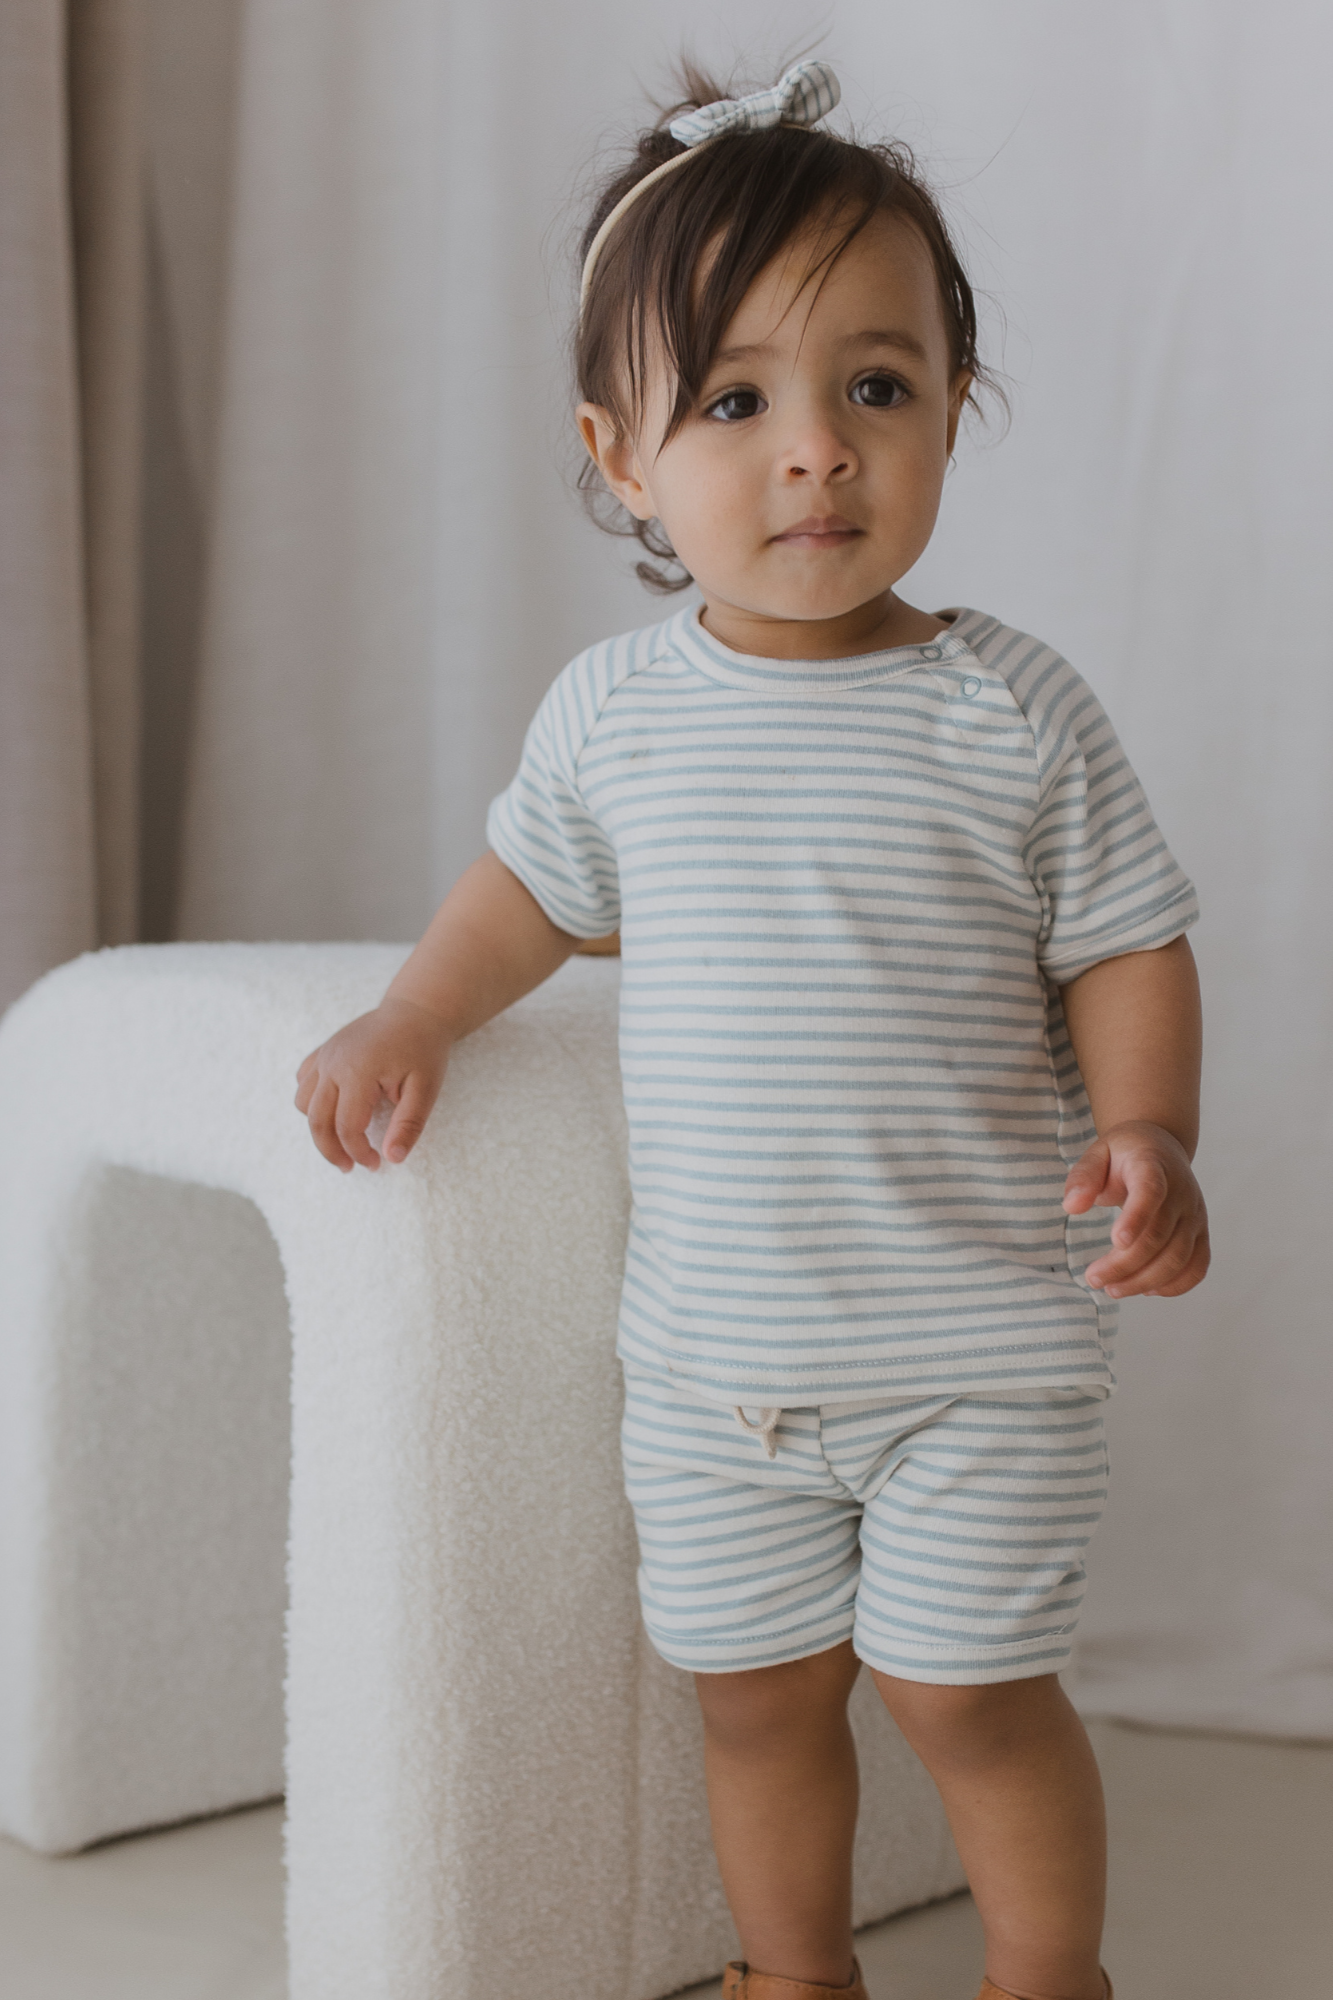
{"x":970,"y":1724}
{"x":771,"y":1704}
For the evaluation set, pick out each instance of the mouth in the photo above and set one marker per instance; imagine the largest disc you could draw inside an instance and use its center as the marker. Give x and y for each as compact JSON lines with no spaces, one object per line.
{"x":819,"y":531}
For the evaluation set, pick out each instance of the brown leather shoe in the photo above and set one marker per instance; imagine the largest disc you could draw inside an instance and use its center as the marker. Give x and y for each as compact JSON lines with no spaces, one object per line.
{"x":739,"y":1983}
{"x":990,"y":1992}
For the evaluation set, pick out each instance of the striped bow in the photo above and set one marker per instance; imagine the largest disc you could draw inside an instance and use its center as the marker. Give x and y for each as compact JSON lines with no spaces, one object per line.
{"x":807,"y":93}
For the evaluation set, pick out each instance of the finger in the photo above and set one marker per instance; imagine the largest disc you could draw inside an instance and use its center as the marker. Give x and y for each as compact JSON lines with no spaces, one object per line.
{"x":322,"y":1113}
{"x":356,"y":1108}
{"x":1193,"y":1274}
{"x":1129,"y":1260}
{"x":307,"y":1082}
{"x":1146,"y":1189}
{"x":1163,"y":1269}
{"x":409,"y":1119}
{"x":1086,"y":1179}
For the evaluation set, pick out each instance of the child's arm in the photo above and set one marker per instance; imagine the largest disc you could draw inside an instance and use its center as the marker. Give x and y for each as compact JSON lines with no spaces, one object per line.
{"x":1135,"y":1025}
{"x":488,"y":944}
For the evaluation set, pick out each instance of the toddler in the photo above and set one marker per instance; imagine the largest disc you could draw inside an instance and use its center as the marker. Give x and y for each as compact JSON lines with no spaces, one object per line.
{"x":907,"y":1001}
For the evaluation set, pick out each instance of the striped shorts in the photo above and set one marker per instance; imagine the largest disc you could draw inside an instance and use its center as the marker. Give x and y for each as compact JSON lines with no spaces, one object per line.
{"x":944,"y":1537}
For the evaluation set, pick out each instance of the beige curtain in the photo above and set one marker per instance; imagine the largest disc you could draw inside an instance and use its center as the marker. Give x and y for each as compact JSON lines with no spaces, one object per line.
{"x":71,"y":264}
{"x":267,"y":282}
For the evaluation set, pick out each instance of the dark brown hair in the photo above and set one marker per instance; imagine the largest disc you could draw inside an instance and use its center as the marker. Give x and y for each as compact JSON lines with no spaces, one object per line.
{"x":744,"y":199}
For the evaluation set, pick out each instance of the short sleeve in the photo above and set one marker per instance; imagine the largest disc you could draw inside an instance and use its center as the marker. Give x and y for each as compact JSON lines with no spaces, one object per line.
{"x":1108,"y":881}
{"x":541,"y":827}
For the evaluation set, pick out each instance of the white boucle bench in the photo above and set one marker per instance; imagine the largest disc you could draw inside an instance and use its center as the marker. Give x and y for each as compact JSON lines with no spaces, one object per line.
{"x":493,"y":1785}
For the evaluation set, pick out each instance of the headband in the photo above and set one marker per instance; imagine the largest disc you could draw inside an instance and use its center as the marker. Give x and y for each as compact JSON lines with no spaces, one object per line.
{"x":807,"y":93}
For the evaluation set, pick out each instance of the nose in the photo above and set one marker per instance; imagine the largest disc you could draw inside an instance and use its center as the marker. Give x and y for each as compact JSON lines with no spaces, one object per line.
{"x":815,"y":452}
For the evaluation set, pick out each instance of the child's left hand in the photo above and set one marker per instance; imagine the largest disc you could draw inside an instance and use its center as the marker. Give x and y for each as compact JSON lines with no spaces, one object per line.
{"x":1161,"y":1237}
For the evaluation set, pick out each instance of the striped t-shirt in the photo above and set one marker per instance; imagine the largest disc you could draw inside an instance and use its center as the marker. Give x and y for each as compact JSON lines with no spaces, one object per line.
{"x":847,"y":891}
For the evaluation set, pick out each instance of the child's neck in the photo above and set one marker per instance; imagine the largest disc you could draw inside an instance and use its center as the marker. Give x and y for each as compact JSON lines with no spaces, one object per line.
{"x":875,"y":627}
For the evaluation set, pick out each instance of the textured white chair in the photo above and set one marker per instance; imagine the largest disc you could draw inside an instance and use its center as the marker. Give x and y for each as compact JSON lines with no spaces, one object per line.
{"x":493,"y":1785}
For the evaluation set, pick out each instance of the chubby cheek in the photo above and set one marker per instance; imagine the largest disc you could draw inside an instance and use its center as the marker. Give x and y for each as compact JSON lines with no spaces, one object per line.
{"x":907,"y":493}
{"x":911,"y":470}
{"x":714,"y":513}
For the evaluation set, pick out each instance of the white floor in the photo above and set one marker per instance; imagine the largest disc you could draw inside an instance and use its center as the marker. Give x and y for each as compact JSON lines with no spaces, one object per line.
{"x":1221,"y":1889}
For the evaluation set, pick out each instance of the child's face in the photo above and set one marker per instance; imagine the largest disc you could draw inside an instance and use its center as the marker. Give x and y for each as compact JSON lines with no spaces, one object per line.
{"x":808,"y":479}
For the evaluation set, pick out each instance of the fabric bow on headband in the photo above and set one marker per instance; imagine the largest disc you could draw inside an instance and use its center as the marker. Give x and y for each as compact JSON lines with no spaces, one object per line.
{"x":807,"y":93}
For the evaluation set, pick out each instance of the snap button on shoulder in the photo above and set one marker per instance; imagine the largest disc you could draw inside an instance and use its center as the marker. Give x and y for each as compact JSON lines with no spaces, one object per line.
{"x":930,"y":652}
{"x":971,"y":687}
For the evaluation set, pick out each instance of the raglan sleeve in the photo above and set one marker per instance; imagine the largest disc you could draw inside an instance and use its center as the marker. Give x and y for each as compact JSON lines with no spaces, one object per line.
{"x":543,"y":829}
{"x":1108,"y":882}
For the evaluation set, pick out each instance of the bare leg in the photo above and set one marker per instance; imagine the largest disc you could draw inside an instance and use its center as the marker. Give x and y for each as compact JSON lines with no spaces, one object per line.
{"x":782,"y":1794}
{"x":1024,"y":1797}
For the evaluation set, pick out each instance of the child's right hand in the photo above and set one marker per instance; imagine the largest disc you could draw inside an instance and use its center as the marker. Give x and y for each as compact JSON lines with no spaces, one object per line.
{"x":399,"y":1053}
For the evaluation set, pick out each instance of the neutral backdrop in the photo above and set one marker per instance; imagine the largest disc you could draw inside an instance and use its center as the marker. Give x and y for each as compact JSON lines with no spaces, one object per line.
{"x":362,"y":563}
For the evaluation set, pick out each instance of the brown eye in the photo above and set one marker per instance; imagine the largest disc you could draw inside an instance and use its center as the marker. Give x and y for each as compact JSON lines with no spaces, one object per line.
{"x":736,"y":405}
{"x":879,"y":392}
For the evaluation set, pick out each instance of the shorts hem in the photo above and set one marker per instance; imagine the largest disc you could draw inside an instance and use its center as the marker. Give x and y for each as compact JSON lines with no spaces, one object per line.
{"x":750,"y":1656}
{"x":1024,"y":1661}
{"x":1019,"y":1663}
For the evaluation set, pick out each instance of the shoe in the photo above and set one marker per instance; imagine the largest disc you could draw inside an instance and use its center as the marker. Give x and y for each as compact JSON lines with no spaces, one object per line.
{"x":739,"y":1983}
{"x":991,"y":1992}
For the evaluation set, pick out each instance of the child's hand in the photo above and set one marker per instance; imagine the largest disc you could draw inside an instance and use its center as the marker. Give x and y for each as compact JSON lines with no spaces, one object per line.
{"x":1161,"y":1238}
{"x":398,"y":1052}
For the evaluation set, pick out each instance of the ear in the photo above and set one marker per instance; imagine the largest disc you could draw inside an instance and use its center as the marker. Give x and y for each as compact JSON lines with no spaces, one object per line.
{"x":615,"y":457}
{"x":958,"y":389}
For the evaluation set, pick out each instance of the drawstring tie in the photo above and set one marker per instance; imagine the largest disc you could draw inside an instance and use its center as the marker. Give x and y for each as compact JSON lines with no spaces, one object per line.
{"x":767,"y":1425}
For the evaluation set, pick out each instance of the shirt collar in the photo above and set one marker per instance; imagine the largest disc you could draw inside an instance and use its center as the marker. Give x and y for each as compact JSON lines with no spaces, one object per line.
{"x":699,"y":649}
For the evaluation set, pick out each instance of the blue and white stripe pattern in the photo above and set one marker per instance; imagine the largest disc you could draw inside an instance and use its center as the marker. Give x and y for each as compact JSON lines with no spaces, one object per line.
{"x":847,"y":891}
{"x":945,"y":1539}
